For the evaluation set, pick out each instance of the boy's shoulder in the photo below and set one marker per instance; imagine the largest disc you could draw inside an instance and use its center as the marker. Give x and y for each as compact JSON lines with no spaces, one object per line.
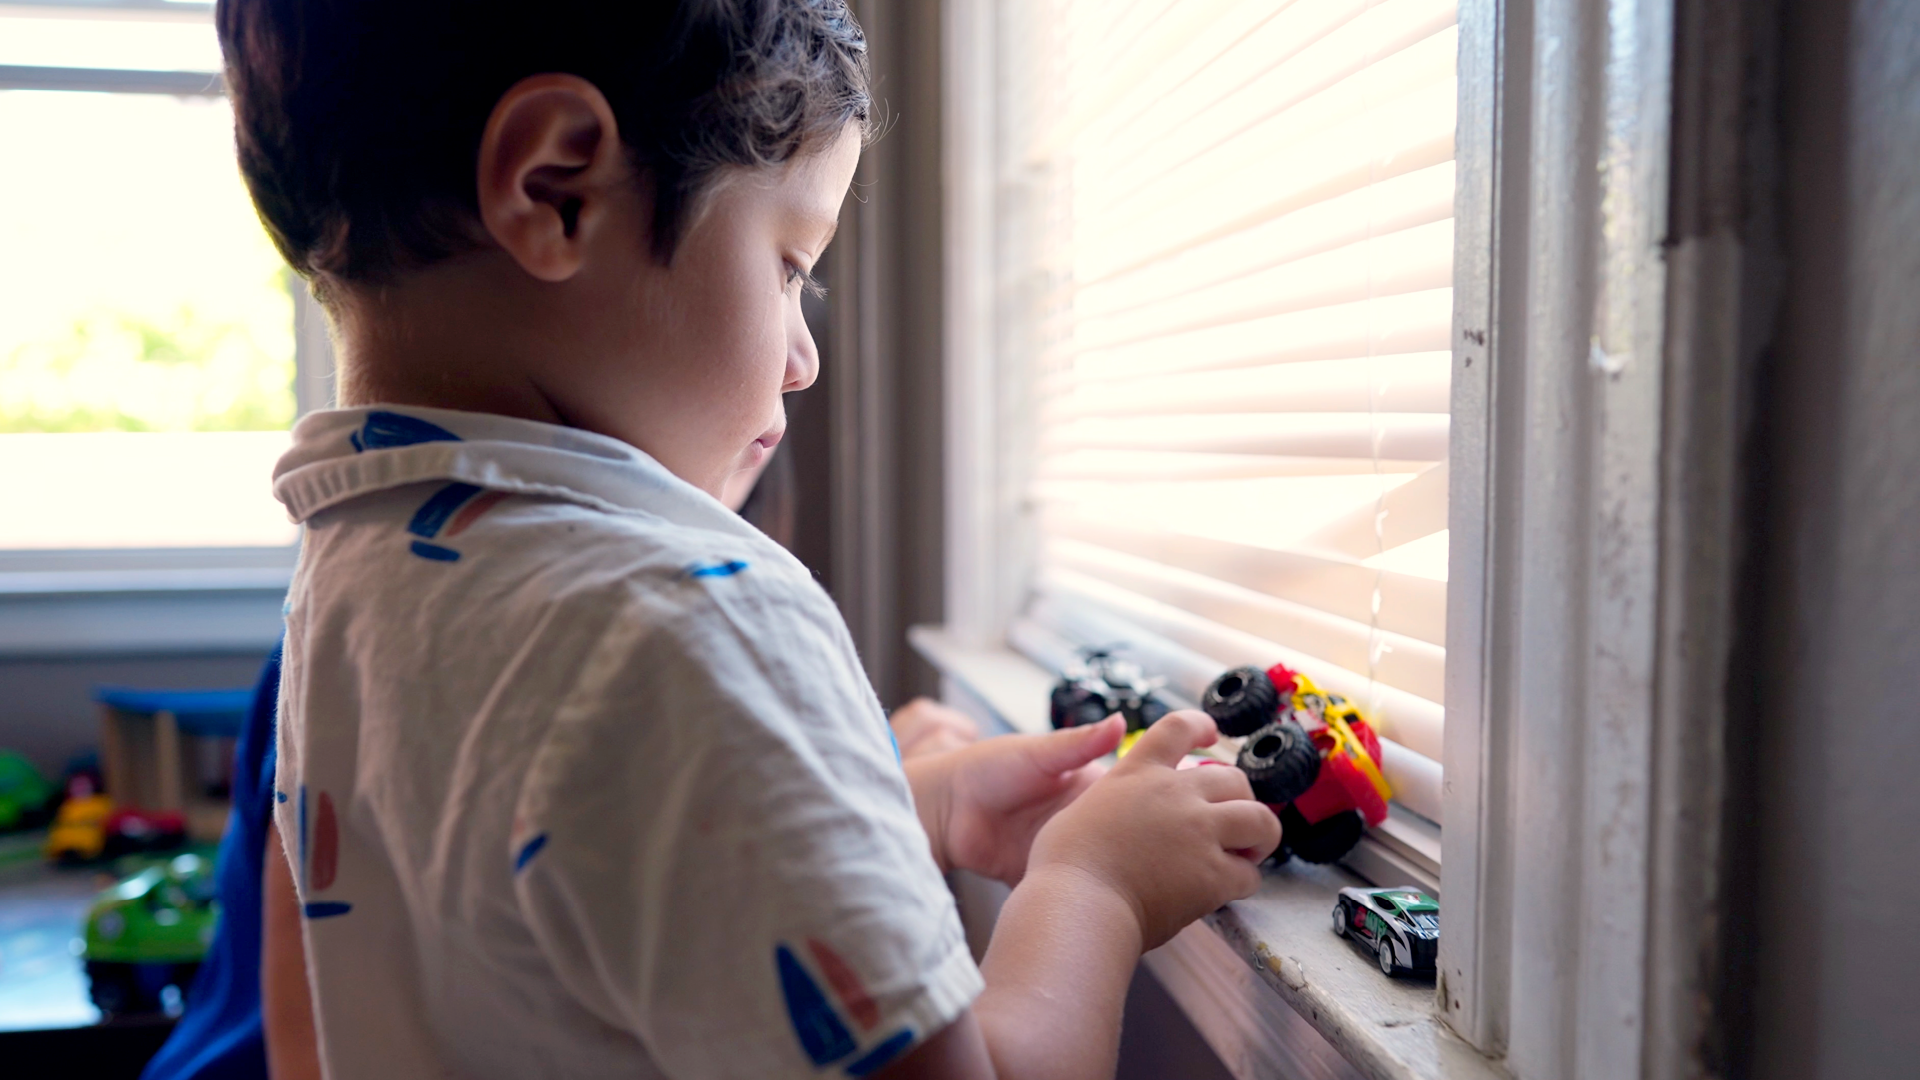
{"x":420,"y":506}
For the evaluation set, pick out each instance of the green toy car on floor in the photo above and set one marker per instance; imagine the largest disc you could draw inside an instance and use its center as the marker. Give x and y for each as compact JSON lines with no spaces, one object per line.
{"x":25,"y":796}
{"x":148,"y":933}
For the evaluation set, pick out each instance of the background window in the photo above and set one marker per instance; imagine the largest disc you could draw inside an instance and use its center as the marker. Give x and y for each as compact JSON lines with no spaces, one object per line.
{"x":1225,"y":265}
{"x":146,"y":322}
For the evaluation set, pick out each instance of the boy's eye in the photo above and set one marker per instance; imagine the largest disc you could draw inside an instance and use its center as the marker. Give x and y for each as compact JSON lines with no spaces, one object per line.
{"x":797,"y":276}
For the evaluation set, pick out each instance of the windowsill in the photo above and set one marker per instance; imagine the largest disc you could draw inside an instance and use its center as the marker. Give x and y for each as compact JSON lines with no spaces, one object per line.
{"x":58,"y":604}
{"x":1387,"y":1029}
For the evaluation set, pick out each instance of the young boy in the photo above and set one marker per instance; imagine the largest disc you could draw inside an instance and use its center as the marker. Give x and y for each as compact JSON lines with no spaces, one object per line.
{"x":578,"y":773}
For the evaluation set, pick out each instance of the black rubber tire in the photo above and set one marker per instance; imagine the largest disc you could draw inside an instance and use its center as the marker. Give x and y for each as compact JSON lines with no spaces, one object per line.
{"x":183,"y":977}
{"x":1280,"y":761}
{"x":1242,"y":701}
{"x":116,"y":990}
{"x":1324,"y":841}
{"x":1073,"y":706}
{"x":1149,"y":712}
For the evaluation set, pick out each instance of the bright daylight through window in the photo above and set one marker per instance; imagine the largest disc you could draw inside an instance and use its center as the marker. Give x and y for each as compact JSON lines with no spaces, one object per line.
{"x":1230,"y":279}
{"x":146,"y":322}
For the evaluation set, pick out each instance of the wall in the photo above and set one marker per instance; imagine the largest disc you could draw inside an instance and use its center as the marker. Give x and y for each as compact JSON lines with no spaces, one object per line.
{"x":1834,"y":948}
{"x":47,"y":714}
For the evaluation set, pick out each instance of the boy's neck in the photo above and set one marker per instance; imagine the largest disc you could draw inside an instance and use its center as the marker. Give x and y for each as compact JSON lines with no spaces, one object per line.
{"x":466,"y":334}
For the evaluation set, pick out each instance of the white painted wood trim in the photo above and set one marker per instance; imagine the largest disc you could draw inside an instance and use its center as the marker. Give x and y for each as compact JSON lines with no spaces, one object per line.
{"x":1590,"y":587}
{"x":972,"y":449}
{"x":1472,"y":960}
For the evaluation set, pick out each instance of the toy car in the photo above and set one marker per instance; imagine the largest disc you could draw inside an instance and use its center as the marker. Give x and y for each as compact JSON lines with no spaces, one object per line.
{"x":1310,"y":755}
{"x":79,"y":831}
{"x":91,"y":827}
{"x":1400,"y":927}
{"x":131,"y":831}
{"x":148,"y":933}
{"x":1101,"y":686}
{"x":25,"y":796}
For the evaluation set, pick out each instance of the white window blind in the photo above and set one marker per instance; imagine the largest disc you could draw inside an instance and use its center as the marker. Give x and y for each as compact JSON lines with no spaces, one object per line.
{"x":1232,"y":285}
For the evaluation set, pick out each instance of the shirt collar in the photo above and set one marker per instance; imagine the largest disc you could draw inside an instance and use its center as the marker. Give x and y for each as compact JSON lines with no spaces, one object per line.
{"x":341,"y":454}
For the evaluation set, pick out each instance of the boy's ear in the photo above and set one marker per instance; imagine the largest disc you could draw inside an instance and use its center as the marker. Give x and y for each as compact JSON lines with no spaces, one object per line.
{"x":550,"y":161}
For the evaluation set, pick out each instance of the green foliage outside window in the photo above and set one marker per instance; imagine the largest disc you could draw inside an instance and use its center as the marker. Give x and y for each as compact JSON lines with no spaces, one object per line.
{"x":183,"y":371}
{"x":138,"y":291}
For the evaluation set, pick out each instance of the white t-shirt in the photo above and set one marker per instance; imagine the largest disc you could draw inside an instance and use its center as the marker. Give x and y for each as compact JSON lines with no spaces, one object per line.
{"x":580,"y":775}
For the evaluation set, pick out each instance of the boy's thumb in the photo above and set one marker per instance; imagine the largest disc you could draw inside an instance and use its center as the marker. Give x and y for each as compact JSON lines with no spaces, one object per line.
{"x":1070,"y":748}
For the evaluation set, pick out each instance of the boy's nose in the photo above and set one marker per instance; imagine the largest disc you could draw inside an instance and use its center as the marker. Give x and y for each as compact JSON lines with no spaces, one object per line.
{"x":803,"y":362}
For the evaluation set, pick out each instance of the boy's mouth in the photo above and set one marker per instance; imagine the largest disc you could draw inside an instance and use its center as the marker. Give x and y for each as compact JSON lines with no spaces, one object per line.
{"x":771,"y":439}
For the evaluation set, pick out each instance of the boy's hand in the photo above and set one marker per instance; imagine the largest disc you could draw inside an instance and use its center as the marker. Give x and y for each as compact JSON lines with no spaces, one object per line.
{"x":1173,"y":844}
{"x":924,"y":726}
{"x":983,"y":804}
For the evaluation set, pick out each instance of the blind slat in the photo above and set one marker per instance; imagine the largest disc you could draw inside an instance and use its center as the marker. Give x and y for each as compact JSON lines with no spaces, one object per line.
{"x":1416,"y":607}
{"x":1421,"y":436}
{"x":1391,"y":204}
{"x":1399,"y":661}
{"x":1410,"y":512}
{"x":1411,"y":260}
{"x":1194,"y":64}
{"x":1415,"y":779}
{"x":1323,"y":168}
{"x":1415,"y":383}
{"x":1382,"y":326}
{"x":1356,"y":64}
{"x":1148,"y":466}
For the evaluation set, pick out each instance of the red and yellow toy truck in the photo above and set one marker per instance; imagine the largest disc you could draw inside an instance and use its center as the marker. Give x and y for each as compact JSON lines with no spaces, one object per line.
{"x":1310,"y":755}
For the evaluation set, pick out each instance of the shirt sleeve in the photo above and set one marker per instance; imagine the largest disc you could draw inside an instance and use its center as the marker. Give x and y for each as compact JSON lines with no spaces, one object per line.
{"x":717,"y":850}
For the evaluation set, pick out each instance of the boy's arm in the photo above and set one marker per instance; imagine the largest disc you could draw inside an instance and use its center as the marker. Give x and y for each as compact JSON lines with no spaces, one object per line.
{"x":1144,"y":852}
{"x":1063,"y":954}
{"x":286,"y":1006}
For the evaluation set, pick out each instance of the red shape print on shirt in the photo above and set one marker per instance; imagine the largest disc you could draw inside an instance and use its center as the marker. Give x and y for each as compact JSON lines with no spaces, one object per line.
{"x":326,"y":846}
{"x":846,"y":985}
{"x":471,"y":512}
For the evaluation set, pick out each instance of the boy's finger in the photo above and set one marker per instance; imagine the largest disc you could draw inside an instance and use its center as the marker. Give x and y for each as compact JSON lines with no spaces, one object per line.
{"x":1241,"y":877}
{"x":1068,"y":749}
{"x":1221,"y":783}
{"x":1248,"y":826}
{"x":1173,"y":737}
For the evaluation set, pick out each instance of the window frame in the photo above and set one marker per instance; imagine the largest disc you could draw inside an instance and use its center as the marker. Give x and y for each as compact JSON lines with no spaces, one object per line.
{"x":1599,"y":367}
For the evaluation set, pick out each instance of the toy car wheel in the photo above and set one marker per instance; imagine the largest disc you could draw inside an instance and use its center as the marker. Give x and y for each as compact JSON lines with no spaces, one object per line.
{"x":1340,"y":919}
{"x":116,"y":990}
{"x":1074,"y":706}
{"x":1280,"y":761}
{"x":1323,"y":841}
{"x":1241,"y":702}
{"x":1150,"y":711}
{"x":1387,"y":966}
{"x":182,"y":978}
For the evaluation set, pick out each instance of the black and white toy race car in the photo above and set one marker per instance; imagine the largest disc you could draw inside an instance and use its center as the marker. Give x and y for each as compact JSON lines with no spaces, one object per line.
{"x":1400,"y":927}
{"x":1101,"y":685}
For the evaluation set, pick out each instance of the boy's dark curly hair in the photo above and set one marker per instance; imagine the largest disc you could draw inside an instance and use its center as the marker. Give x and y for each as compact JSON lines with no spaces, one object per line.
{"x":358,"y":122}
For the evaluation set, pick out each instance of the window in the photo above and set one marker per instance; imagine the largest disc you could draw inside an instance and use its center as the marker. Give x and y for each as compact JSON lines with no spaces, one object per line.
{"x":1223,"y":270}
{"x":1194,"y":306}
{"x":147,"y":325}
